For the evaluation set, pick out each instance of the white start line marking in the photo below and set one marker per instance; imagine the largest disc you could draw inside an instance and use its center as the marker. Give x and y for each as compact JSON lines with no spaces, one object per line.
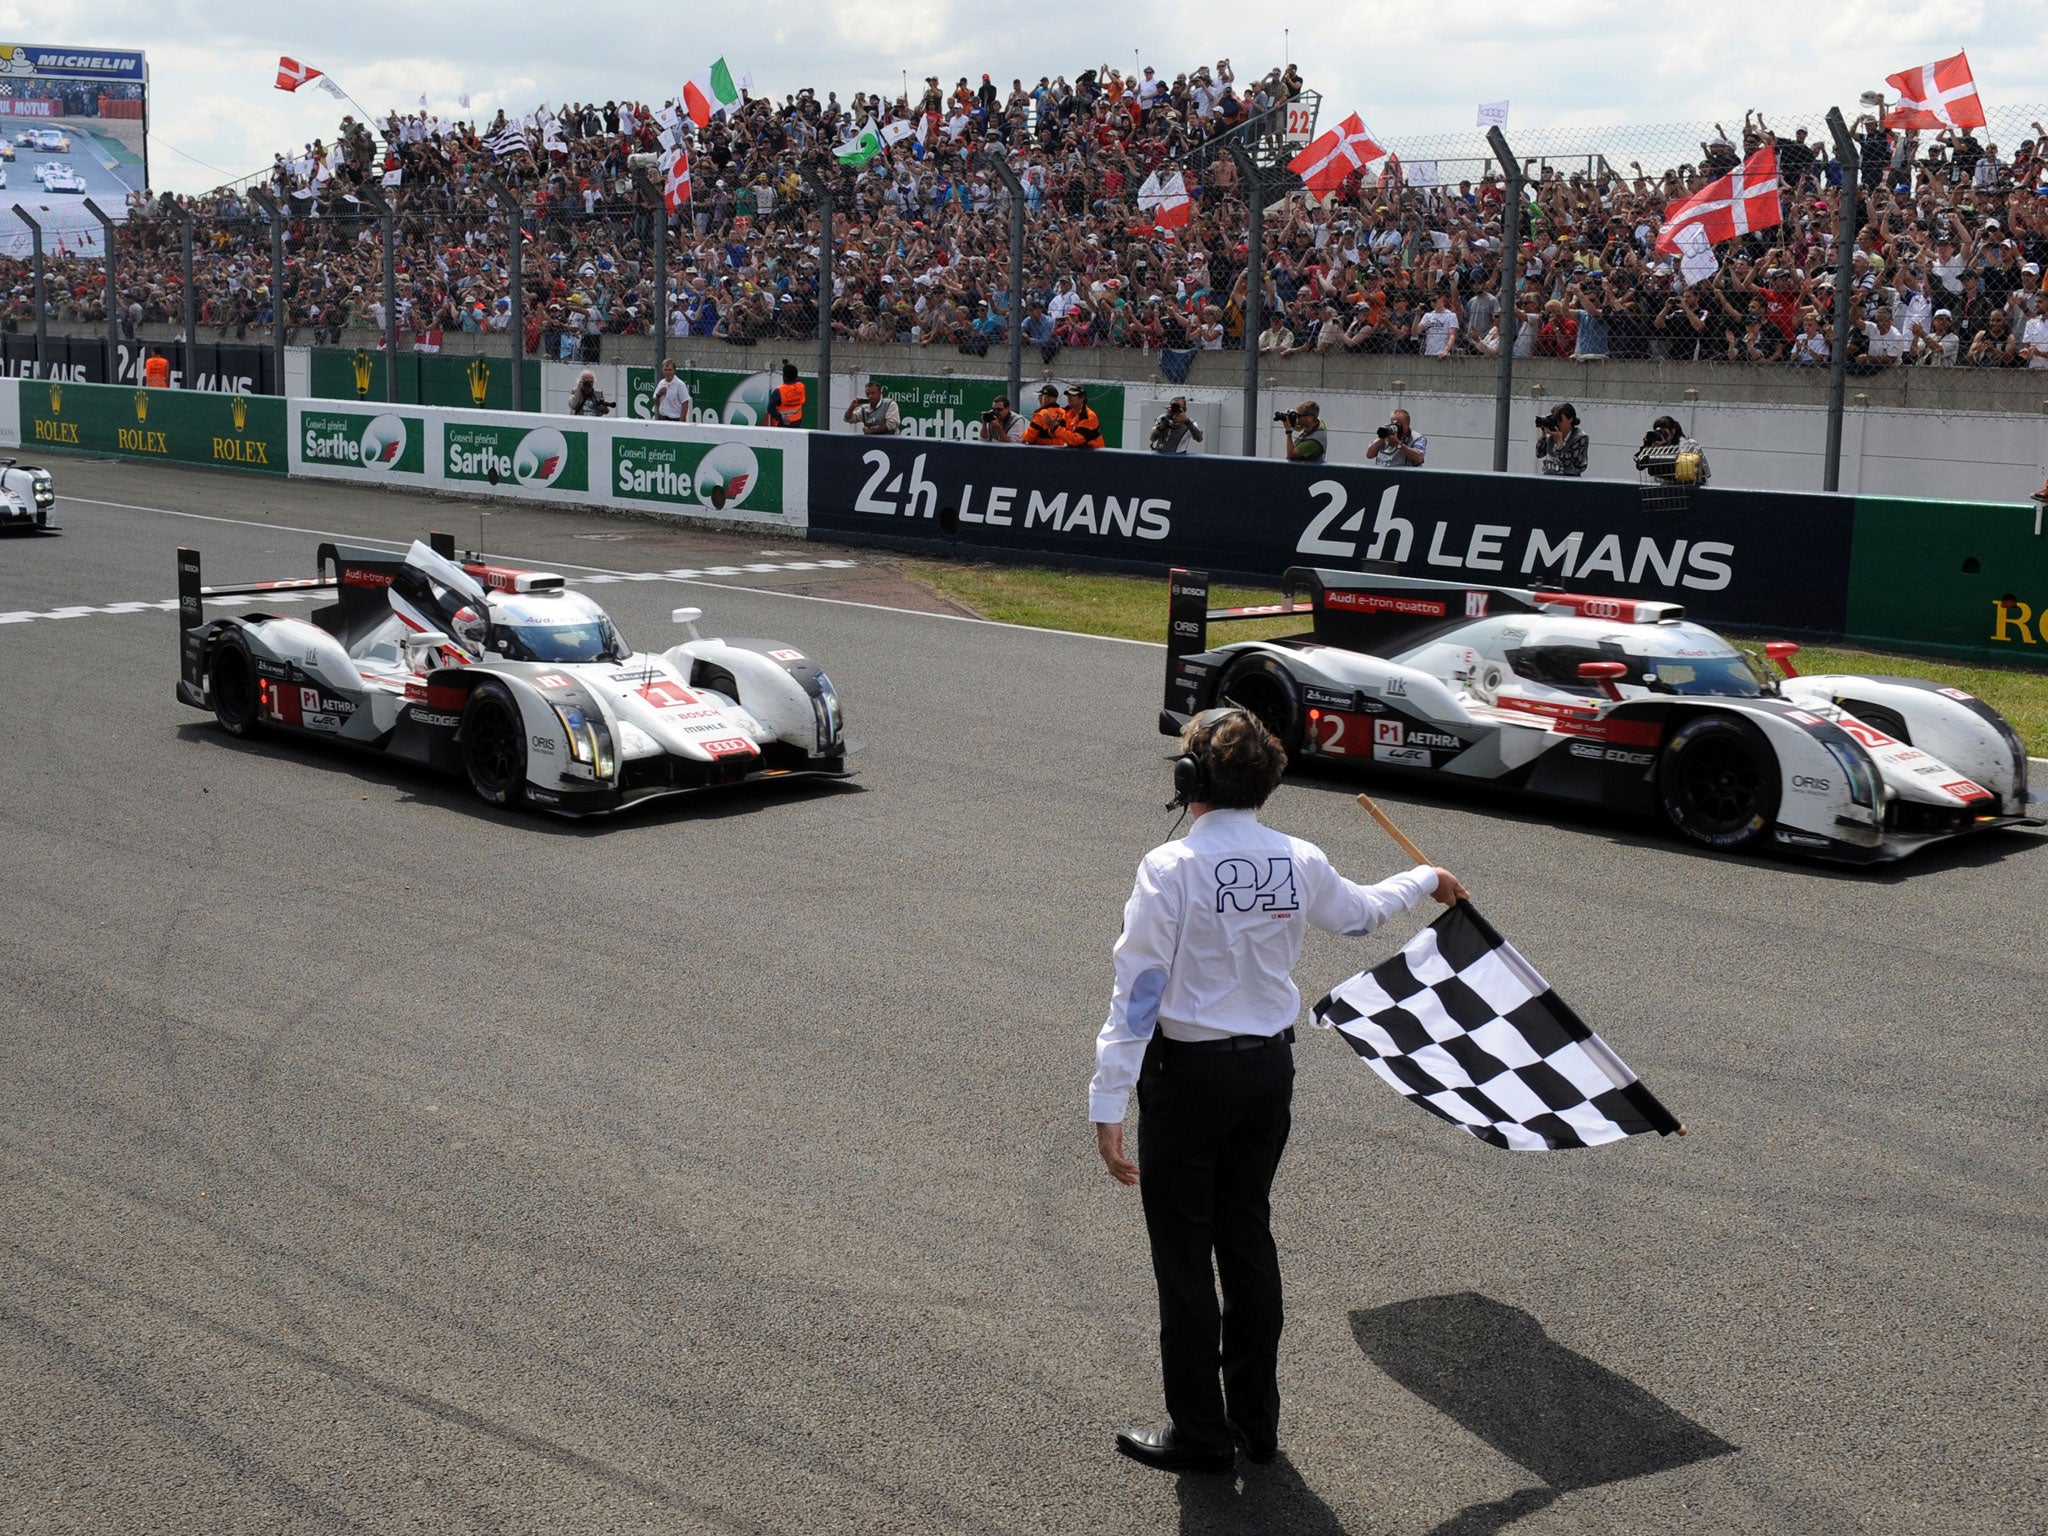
{"x":169,"y":604}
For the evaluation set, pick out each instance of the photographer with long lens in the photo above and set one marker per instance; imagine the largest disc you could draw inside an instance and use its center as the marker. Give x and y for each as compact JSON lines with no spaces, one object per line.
{"x":1561,"y":447}
{"x":1308,"y":440}
{"x":1000,"y":424}
{"x":1668,"y":454}
{"x":1172,"y":431}
{"x":1397,"y":445}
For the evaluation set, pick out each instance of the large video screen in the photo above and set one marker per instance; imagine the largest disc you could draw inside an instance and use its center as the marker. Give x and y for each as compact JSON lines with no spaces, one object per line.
{"x":74,"y":124}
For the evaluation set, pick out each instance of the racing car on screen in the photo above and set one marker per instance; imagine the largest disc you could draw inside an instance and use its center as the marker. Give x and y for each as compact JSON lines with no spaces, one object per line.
{"x":56,"y":177}
{"x":1614,"y":701}
{"x":45,"y":139}
{"x":508,"y":678}
{"x":6,"y":151}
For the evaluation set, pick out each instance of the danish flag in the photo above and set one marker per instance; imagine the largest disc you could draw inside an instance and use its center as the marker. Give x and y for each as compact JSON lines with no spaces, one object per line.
{"x":1332,"y":157}
{"x":675,"y":185}
{"x":291,"y":74}
{"x":1938,"y":95}
{"x":1745,"y":199}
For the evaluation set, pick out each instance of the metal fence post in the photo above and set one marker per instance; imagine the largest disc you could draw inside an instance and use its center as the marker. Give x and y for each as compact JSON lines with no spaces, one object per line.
{"x":1254,"y":290}
{"x":190,"y":295}
{"x":387,"y":220}
{"x":1845,"y":277}
{"x":658,"y":200}
{"x":993,"y":159}
{"x":270,"y":206}
{"x":1510,"y":281}
{"x":113,"y":292}
{"x":515,"y":272}
{"x":822,"y":185}
{"x":35,"y":235}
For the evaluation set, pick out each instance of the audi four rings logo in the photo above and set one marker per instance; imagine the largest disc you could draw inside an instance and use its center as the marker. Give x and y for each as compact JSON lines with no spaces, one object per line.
{"x":1600,"y":608}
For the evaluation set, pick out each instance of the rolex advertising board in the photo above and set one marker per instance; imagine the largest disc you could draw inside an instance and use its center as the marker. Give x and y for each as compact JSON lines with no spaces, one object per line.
{"x":366,"y":443}
{"x":170,"y":426}
{"x":719,"y":397}
{"x":951,"y":409}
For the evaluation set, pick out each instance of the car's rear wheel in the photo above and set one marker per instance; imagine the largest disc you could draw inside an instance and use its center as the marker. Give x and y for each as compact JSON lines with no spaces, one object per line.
{"x":1260,"y":685}
{"x":1719,"y":782}
{"x":494,"y":743}
{"x":232,"y":687}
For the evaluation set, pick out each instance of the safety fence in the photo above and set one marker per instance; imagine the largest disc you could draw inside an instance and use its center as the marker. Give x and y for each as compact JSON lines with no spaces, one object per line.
{"x":1941,"y":578}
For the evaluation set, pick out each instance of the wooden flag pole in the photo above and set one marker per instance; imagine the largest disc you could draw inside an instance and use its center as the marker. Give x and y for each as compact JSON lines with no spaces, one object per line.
{"x":1387,"y":825}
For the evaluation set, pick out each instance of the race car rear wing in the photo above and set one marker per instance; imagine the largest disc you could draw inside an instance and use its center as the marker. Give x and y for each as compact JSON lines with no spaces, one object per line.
{"x":1189,"y":617}
{"x":192,"y":597}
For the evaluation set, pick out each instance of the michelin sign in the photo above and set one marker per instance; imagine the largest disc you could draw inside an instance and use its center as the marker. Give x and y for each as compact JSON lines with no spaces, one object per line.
{"x":41,"y":61}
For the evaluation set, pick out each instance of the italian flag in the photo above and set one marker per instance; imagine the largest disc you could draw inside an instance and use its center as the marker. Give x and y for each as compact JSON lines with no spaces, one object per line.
{"x":710,"y":95}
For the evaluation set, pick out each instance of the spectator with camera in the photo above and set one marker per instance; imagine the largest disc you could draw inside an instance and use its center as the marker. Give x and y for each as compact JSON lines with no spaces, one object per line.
{"x":1175,"y":428}
{"x":584,"y":399}
{"x":1397,"y":445}
{"x":1668,"y":454}
{"x":1308,"y":440}
{"x":1000,"y":424}
{"x":1561,"y":448}
{"x":877,"y":414}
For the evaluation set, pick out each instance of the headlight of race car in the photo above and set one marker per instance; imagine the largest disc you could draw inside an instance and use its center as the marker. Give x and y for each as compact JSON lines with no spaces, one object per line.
{"x":1858,"y":770}
{"x":825,"y":705}
{"x":45,"y":490}
{"x":589,"y":742}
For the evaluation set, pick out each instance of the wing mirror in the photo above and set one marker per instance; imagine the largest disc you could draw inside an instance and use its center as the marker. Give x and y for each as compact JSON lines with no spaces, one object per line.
{"x":1782,"y":652}
{"x":425,"y":640}
{"x":688,"y":616}
{"x":1604,"y":673}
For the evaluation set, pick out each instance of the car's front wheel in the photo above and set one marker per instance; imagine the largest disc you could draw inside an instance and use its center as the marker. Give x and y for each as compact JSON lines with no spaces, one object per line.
{"x":232,"y":687}
{"x":1719,"y":782}
{"x":494,"y":743}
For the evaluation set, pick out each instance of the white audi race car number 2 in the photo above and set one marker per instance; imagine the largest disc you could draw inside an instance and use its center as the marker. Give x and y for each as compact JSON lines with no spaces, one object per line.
{"x":1613,"y":700}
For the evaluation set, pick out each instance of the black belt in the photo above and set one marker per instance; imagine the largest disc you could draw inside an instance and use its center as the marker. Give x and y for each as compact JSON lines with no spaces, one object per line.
{"x":1228,"y":1042}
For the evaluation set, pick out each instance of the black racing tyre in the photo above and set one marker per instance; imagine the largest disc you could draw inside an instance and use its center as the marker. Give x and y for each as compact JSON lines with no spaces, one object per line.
{"x":231,"y":684}
{"x":494,"y":743}
{"x":1261,"y":685}
{"x":1719,"y":782}
{"x":1890,"y":721}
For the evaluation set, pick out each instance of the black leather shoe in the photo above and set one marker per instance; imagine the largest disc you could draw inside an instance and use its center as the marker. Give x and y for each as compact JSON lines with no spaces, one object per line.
{"x":1160,"y":1448}
{"x":1263,"y":1453}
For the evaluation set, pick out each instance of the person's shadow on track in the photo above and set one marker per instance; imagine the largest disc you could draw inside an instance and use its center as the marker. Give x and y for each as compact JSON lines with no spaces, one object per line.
{"x":1259,"y":1501}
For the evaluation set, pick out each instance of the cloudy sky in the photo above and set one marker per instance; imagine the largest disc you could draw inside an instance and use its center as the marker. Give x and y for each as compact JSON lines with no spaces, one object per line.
{"x":1587,"y":63}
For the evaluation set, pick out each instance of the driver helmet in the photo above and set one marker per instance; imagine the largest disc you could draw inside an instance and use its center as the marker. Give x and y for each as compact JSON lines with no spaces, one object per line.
{"x":472,"y":629}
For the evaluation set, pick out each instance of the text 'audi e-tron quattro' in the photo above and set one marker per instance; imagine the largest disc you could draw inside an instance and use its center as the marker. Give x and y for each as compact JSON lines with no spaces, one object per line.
{"x":506,"y":677}
{"x":1609,"y":700}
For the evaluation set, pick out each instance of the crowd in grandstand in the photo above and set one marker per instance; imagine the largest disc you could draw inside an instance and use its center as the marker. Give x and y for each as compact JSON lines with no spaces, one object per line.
{"x":1952,"y":237}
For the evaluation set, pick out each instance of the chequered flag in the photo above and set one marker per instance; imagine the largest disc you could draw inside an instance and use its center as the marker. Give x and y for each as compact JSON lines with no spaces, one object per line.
{"x":1464,"y":1026}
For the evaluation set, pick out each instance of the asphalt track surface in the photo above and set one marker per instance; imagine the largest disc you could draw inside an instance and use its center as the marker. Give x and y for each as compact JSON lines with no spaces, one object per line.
{"x":374,"y":1161}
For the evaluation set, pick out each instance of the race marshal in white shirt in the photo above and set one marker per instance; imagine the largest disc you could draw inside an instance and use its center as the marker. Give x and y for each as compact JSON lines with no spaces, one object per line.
{"x":1200,"y":1025}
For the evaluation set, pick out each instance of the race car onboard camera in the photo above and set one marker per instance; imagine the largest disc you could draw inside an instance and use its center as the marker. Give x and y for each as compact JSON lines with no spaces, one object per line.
{"x":1616,"y":701}
{"x":509,"y":678}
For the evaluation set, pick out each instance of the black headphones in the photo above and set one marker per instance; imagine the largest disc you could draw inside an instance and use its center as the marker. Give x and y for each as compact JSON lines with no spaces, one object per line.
{"x":1191,"y":769}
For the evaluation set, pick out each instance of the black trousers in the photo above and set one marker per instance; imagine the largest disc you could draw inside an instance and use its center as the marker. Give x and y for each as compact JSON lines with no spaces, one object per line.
{"x":1212,"y":1130}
